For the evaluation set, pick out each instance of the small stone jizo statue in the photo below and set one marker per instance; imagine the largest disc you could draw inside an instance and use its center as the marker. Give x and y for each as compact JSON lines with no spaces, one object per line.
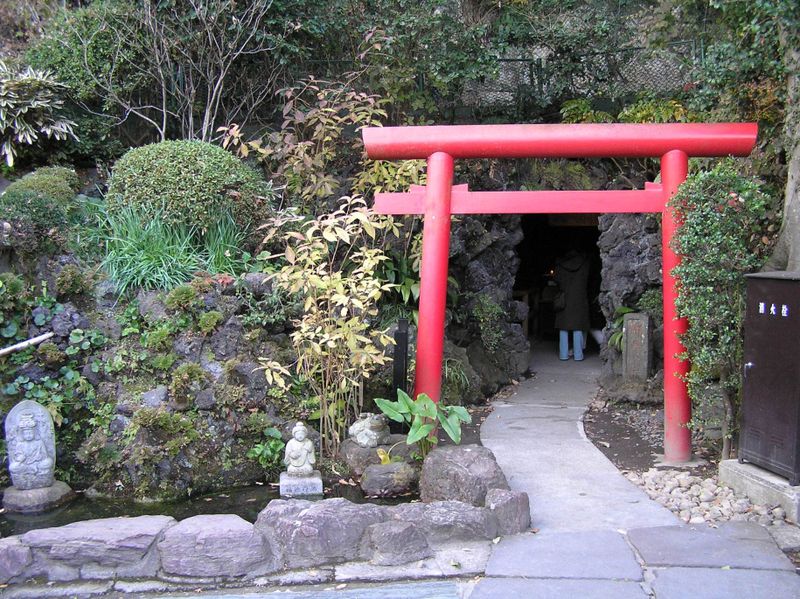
{"x":32,"y":461}
{"x":31,"y":446}
{"x":299,"y":458}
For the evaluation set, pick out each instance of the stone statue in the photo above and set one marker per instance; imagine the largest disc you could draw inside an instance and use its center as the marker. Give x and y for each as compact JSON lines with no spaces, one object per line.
{"x":299,"y":458}
{"x":370,"y":430}
{"x":31,"y":446}
{"x":31,"y":461}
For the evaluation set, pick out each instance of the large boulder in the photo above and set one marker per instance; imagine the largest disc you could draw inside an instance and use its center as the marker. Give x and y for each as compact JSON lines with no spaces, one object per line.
{"x":512,"y":510}
{"x":446,"y":521}
{"x":316,"y":533}
{"x":151,"y":306}
{"x":214,"y":545}
{"x":389,"y":480}
{"x":224,"y":342}
{"x":460,"y":473}
{"x":358,"y":458}
{"x":14,"y":558}
{"x":105,"y":548}
{"x":393,"y":543}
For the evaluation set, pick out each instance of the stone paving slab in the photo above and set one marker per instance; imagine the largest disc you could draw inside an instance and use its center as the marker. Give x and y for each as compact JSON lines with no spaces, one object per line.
{"x":80,"y":589}
{"x":538,"y":440}
{"x":414,"y":590}
{"x":518,"y":588}
{"x":715,"y":583}
{"x":366,"y":572}
{"x":600,"y":554}
{"x":734,"y":545}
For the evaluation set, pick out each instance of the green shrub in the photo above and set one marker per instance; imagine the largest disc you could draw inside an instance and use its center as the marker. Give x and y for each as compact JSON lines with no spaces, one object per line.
{"x":159,"y":338}
{"x":147,"y":253}
{"x":54,"y":183}
{"x":187,"y":380}
{"x":68,"y":175}
{"x":728,"y":227}
{"x":72,"y":281}
{"x":182,"y":299}
{"x":32,"y":110}
{"x":37,"y":222}
{"x":187,"y":183}
{"x":76,"y":39}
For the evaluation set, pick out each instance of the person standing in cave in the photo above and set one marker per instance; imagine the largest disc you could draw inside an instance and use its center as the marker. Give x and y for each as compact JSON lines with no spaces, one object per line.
{"x":572,"y":276}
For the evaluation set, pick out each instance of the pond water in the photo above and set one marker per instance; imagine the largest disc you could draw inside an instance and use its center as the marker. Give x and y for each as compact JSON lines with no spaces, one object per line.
{"x":246,"y":502}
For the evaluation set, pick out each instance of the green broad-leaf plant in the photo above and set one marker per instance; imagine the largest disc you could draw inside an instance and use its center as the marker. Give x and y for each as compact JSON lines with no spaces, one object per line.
{"x":331,"y":263}
{"x":423,"y":416}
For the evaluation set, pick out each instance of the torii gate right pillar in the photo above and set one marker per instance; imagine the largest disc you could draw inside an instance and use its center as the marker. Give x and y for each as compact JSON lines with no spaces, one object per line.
{"x":677,"y":404}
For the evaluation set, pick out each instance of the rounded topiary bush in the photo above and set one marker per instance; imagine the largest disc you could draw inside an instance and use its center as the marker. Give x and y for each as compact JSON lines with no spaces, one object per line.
{"x":36,"y":221}
{"x":187,"y":183}
{"x":55,"y":183}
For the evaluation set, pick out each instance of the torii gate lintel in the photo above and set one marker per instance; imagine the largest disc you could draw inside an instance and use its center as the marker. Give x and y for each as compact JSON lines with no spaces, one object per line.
{"x":439,"y":199}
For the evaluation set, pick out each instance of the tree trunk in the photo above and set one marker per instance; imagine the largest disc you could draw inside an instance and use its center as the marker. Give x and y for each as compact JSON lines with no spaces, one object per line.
{"x":729,"y":420}
{"x":786,"y":255}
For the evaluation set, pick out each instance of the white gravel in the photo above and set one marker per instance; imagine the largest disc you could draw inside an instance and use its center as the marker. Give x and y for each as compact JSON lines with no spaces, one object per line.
{"x":699,"y":500}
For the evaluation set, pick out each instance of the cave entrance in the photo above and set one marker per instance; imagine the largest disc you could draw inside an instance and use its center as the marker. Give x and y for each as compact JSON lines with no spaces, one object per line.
{"x":546,"y":238}
{"x":673,"y":143}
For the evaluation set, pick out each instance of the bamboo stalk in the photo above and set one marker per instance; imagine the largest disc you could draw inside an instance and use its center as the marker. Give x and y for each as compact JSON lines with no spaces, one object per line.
{"x":24,"y":344}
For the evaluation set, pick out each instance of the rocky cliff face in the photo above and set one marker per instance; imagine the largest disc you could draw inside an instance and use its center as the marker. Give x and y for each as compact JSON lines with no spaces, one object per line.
{"x":487,"y":321}
{"x":630,"y":251}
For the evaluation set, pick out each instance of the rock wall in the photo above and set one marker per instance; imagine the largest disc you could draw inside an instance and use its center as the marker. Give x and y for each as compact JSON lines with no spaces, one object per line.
{"x":484,"y":262}
{"x":630,"y":252}
{"x":292,"y":541}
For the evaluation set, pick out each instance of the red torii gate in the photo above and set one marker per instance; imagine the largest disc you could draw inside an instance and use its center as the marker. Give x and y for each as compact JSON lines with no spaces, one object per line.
{"x":440,"y":145}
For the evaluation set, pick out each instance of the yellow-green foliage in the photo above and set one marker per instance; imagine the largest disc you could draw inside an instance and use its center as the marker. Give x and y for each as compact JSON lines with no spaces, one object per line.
{"x":209,"y":321}
{"x":188,"y":183}
{"x":53,"y":183}
{"x":182,"y":299}
{"x":176,"y":430}
{"x":331,"y":263}
{"x":73,"y":281}
{"x":314,"y":145}
{"x":49,"y":354}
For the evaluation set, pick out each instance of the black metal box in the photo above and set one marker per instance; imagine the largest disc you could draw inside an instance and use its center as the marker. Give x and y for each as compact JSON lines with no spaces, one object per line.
{"x":770,"y":435}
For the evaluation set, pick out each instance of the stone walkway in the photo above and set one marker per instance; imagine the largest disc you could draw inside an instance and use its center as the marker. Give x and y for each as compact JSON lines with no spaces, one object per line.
{"x":599,"y":535}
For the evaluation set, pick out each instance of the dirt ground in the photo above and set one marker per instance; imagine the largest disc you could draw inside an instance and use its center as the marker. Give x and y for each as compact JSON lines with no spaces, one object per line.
{"x":631,"y":436}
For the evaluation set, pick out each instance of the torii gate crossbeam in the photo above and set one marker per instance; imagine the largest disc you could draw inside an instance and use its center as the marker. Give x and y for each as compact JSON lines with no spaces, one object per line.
{"x":672,"y":143}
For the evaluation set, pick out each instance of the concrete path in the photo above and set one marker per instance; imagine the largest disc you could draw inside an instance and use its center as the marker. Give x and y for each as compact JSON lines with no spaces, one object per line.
{"x":599,"y":535}
{"x":537,"y":437}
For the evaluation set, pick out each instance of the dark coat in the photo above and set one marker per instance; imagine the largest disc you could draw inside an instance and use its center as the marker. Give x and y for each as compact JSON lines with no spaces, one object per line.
{"x":572,"y":276}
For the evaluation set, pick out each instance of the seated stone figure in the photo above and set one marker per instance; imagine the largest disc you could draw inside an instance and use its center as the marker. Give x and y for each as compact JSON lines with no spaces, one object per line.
{"x":30,"y":463}
{"x":299,"y":458}
{"x":370,"y":430}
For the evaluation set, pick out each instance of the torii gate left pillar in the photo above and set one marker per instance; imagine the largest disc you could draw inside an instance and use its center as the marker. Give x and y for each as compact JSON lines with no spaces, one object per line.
{"x":672,"y":143}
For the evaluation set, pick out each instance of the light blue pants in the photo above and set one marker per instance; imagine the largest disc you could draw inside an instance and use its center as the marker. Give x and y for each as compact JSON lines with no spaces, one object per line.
{"x":563,"y":344}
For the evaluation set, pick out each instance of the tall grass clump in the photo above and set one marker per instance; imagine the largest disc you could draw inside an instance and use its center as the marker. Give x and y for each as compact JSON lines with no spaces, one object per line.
{"x":222,"y":245}
{"x":146,"y":253}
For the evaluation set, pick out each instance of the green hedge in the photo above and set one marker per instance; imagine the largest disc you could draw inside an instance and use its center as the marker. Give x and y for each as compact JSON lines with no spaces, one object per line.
{"x":55,"y":183}
{"x":188,"y":183}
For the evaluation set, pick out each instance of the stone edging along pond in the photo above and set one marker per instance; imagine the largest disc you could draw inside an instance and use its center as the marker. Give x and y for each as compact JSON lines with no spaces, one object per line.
{"x":292,"y":541}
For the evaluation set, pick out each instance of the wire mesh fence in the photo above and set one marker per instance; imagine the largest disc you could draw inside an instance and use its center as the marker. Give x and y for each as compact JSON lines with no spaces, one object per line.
{"x":534,"y":79}
{"x":523,"y":84}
